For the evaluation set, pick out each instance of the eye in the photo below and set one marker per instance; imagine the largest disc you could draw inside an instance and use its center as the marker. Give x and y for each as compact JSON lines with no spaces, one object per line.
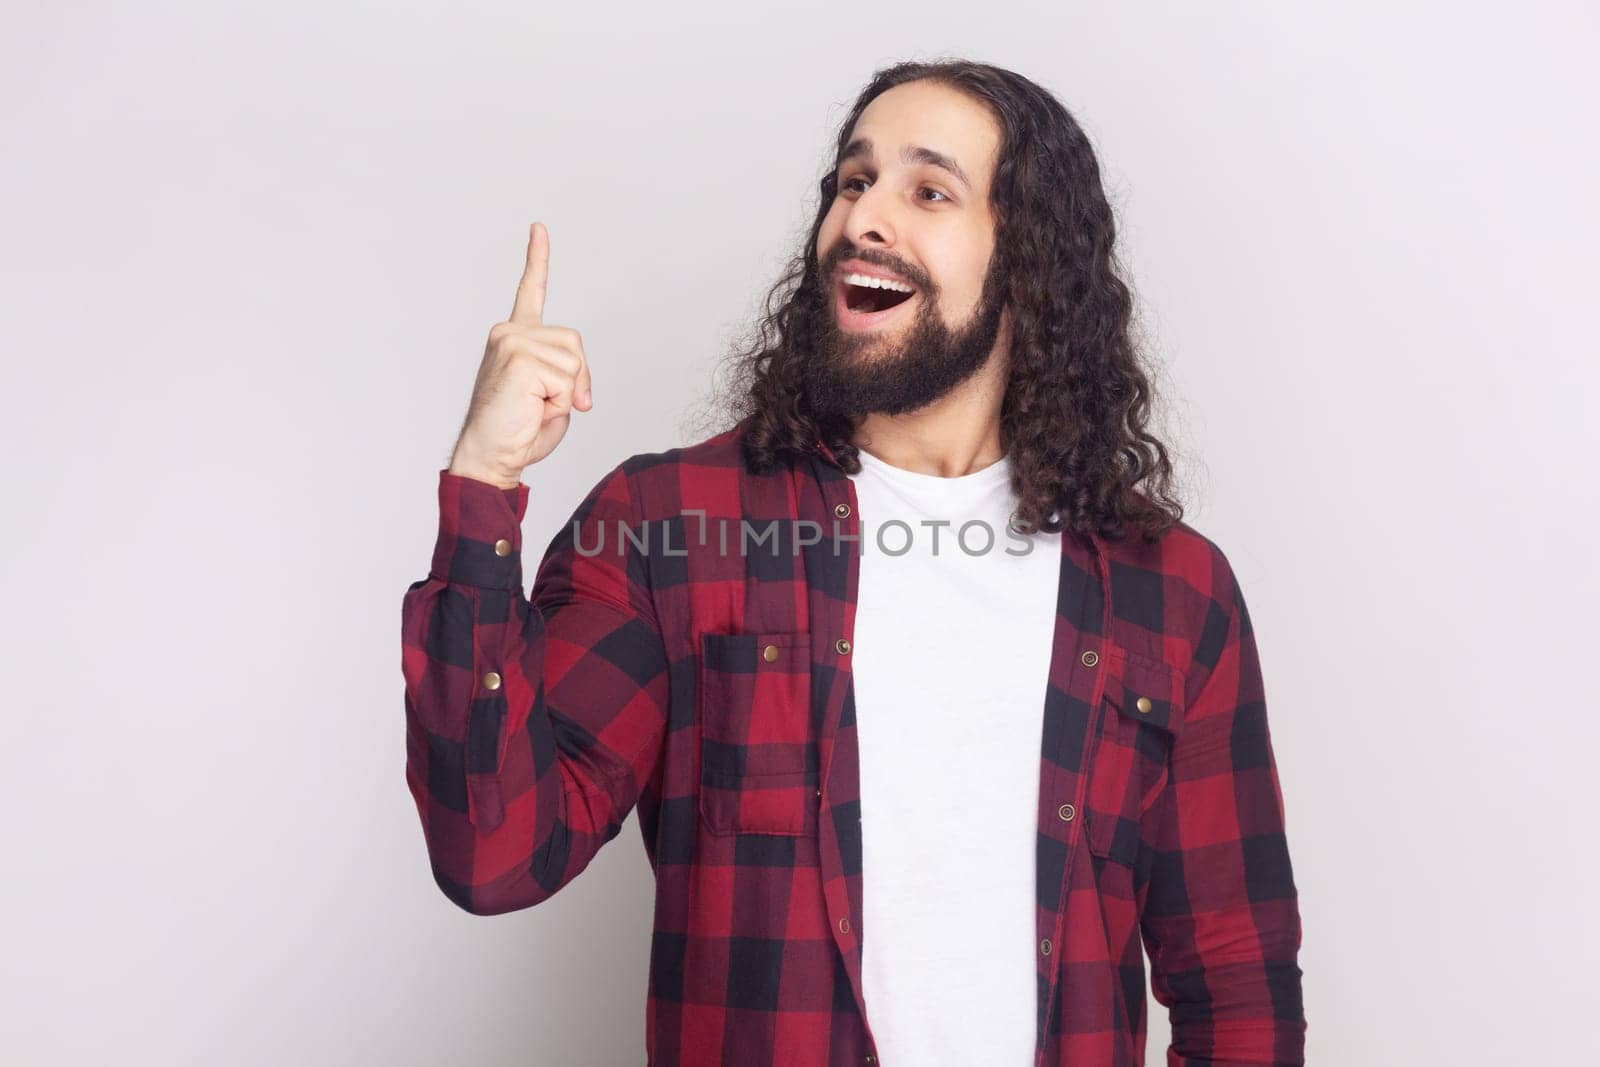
{"x":846,"y":186}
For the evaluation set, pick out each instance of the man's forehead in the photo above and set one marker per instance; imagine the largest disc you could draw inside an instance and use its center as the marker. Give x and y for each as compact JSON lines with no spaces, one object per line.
{"x":961,"y":137}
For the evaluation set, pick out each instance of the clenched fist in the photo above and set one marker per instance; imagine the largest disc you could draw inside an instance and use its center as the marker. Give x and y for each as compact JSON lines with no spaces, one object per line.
{"x":531,"y":378}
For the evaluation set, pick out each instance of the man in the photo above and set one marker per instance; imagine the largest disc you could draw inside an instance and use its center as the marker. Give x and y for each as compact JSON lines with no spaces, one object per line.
{"x":933,"y":710}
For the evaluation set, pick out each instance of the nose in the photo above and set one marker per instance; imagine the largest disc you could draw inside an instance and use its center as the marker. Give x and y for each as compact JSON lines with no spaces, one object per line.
{"x":868,"y":222}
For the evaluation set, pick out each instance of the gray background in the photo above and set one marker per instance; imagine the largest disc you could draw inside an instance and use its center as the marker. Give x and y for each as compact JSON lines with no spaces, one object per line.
{"x":249,"y":263}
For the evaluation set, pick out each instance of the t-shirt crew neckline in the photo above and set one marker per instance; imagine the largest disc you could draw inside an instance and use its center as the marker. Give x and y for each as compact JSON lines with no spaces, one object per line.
{"x":995,"y":473}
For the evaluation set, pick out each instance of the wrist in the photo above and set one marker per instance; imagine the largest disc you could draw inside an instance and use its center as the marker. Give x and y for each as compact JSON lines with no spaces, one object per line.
{"x":464,"y":467}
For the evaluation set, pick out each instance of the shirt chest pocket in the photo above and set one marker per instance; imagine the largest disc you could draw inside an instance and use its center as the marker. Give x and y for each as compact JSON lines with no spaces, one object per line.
{"x":759,"y":765}
{"x":1140,"y":717}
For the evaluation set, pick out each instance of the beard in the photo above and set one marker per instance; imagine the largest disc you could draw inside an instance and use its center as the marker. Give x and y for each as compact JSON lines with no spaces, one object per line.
{"x":854,"y":374}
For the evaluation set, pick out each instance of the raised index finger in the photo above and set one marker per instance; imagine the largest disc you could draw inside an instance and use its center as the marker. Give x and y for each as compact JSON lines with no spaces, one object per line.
{"x":528,"y":309}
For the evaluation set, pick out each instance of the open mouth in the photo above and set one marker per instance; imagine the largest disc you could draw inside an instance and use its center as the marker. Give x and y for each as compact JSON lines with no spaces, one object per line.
{"x":866,"y":299}
{"x":866,"y":302}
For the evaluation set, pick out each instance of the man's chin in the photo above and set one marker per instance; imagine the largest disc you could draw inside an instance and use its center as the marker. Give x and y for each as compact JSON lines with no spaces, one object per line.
{"x":840,"y":394}
{"x":854,"y":349}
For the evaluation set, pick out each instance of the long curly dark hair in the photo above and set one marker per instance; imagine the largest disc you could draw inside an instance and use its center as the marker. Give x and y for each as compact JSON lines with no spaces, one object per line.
{"x":1077,"y":401}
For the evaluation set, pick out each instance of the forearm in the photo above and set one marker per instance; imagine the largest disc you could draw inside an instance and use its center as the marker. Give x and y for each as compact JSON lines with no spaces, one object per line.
{"x":1221,"y":919}
{"x":509,"y":814}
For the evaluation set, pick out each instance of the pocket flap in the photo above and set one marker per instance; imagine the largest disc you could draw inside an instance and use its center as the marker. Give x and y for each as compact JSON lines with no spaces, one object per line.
{"x":783,"y":653}
{"x":1147,"y":690}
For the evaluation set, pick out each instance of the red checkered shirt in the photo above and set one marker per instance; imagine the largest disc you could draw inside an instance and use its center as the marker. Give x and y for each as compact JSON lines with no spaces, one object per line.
{"x":686,"y":653}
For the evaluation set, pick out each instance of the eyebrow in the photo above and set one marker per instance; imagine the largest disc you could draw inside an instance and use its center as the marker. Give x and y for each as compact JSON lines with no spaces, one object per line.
{"x":911,"y":155}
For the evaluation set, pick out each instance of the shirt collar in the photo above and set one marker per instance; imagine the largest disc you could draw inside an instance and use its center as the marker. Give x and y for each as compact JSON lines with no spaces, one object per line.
{"x":823,"y":449}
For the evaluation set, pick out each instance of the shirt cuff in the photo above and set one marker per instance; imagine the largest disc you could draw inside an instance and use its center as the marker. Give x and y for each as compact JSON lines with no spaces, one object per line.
{"x":480,"y":533}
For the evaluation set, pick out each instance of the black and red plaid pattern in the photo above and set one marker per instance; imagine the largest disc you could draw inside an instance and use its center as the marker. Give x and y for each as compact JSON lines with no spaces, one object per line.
{"x":685,"y":653}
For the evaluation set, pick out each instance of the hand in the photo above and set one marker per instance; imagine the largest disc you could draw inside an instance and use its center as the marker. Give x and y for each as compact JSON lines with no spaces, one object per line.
{"x":531,"y":378}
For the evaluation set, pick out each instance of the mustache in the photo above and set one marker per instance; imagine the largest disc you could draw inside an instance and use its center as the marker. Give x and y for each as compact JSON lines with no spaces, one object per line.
{"x":844,"y":250}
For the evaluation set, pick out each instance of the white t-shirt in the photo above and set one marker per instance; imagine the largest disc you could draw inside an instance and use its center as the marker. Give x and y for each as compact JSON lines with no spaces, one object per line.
{"x":950,"y":664}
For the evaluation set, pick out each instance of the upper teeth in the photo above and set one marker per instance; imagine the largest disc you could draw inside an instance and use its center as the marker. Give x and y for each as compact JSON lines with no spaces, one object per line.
{"x":877,"y":283}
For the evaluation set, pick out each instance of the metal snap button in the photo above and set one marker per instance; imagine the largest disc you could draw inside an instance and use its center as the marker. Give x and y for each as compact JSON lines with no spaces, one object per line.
{"x":1066,"y":811}
{"x":1143,"y":704}
{"x":770,"y":653}
{"x":841,"y":510}
{"x":502,"y":547}
{"x":1044,"y":946}
{"x":844,"y":925}
{"x":842,"y":645}
{"x":1090,"y":658}
{"x":491,"y":680}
